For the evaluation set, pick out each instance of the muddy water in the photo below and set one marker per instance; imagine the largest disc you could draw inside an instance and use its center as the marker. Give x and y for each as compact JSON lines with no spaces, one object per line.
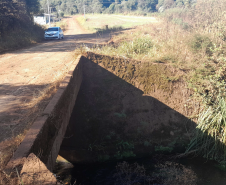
{"x":206,"y":172}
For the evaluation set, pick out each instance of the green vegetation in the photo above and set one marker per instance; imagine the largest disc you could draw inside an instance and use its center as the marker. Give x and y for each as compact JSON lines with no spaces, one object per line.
{"x":166,"y":173}
{"x":174,"y":173}
{"x":105,"y":6}
{"x":163,"y":149}
{"x":21,"y":38}
{"x":120,"y":115}
{"x":98,"y":23}
{"x":62,"y":24}
{"x":16,"y":24}
{"x":174,"y":42}
{"x":124,"y":150}
{"x":135,"y":7}
{"x":210,"y":137}
{"x":149,"y":75}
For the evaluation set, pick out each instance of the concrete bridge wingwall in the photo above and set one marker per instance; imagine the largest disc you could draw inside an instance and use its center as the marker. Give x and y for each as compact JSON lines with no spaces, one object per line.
{"x":109,"y":108}
{"x":46,"y":134}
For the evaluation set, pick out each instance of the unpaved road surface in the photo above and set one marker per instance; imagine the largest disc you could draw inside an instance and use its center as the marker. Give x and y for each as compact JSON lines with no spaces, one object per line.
{"x":28,"y":78}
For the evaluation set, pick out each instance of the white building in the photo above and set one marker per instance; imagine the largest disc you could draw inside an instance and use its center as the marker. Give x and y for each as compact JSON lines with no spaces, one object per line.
{"x":42,"y":20}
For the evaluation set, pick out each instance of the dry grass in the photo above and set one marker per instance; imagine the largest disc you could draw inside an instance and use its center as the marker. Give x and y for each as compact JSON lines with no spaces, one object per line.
{"x":192,"y":40}
{"x":167,"y":173}
{"x":174,"y":173}
{"x":35,"y":107}
{"x":197,"y":48}
{"x":62,"y":24}
{"x":98,"y":22}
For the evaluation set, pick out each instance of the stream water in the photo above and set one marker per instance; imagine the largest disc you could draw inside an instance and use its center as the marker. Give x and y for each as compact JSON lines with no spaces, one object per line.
{"x":158,"y":171}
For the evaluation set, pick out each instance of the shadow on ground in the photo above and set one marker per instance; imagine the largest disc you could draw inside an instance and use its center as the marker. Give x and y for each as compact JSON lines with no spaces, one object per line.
{"x":71,"y":42}
{"x":17,"y":103}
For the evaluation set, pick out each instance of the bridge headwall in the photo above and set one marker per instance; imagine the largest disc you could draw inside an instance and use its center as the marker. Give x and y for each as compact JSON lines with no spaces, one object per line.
{"x":46,"y":134}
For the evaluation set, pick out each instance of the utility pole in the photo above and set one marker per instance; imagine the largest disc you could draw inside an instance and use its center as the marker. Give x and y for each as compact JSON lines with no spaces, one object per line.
{"x":49,"y":12}
{"x":84,"y":11}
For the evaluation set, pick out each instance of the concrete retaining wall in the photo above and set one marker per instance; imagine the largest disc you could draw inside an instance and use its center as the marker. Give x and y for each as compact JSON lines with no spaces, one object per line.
{"x":46,"y":134}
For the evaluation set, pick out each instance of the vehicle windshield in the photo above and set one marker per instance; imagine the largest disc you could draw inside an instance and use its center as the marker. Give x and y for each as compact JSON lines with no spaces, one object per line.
{"x":52,"y":29}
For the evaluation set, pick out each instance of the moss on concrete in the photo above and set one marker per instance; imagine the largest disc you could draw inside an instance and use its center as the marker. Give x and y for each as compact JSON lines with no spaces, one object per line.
{"x":147,"y":76}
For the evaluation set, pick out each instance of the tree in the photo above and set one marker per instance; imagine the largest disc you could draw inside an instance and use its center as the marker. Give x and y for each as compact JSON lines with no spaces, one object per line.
{"x":129,"y":5}
{"x":187,"y":3}
{"x":168,"y":3}
{"x":8,"y":15}
{"x":33,"y":6}
{"x":97,"y":6}
{"x":147,"y":5}
{"x":111,"y":8}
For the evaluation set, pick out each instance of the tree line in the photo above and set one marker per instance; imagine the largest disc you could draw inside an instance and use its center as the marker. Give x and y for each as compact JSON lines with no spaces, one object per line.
{"x":99,"y":6}
{"x":112,"y":6}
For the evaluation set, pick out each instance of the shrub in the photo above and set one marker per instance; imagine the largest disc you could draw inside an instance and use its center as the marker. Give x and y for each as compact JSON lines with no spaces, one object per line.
{"x":180,"y":22}
{"x":21,"y":37}
{"x":200,"y":43}
{"x":61,"y":14}
{"x":140,"y":45}
{"x":174,"y":173}
{"x":129,"y":174}
{"x":210,"y":138}
{"x":168,"y":173}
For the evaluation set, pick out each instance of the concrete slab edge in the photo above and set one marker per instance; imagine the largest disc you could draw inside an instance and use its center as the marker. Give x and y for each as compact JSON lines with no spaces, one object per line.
{"x":36,"y":130}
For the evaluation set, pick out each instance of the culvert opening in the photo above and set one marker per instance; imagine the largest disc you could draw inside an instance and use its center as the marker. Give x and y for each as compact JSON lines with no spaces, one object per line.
{"x":128,"y":111}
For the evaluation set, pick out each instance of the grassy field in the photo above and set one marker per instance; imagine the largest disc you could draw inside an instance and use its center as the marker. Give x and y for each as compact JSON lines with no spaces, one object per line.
{"x":97,"y":22}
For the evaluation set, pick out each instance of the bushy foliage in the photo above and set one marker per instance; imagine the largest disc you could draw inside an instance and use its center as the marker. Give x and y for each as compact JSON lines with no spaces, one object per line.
{"x":167,"y":173}
{"x":166,"y":4}
{"x":12,"y":13}
{"x":74,"y":6}
{"x":137,"y":46}
{"x":16,"y":23}
{"x":8,"y":12}
{"x":200,"y":42}
{"x":210,"y":137}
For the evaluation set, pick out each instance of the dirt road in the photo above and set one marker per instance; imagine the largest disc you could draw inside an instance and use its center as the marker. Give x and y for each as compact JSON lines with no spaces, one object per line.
{"x":28,"y":79}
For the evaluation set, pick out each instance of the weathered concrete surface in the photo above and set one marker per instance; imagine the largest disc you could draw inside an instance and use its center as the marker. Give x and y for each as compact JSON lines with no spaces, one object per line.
{"x":114,"y":117}
{"x":46,"y":134}
{"x":34,"y":171}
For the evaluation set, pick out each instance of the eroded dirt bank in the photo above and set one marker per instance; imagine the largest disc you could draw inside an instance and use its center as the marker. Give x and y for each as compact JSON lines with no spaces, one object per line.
{"x":127,"y":108}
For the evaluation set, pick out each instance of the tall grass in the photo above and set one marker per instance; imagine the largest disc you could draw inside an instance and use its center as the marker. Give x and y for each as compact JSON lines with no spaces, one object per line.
{"x":189,"y":39}
{"x":210,"y":137}
{"x":207,"y":16}
{"x":132,"y":49}
{"x":62,"y":24}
